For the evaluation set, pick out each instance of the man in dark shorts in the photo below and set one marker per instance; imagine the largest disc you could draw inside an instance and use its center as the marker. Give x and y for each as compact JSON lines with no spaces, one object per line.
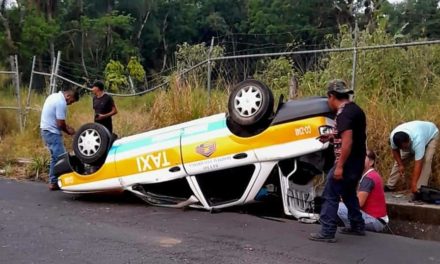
{"x":348,"y":138}
{"x":103,"y":105}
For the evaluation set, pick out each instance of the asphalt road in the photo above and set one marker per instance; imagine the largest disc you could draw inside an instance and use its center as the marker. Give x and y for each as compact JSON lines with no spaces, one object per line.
{"x":39,"y":226}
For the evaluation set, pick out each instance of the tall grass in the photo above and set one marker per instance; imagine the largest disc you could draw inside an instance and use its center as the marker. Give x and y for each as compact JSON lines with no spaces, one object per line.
{"x":178,"y":103}
{"x":392,"y":86}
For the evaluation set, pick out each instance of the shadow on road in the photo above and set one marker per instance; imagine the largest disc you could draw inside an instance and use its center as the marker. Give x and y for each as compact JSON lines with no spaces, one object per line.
{"x":107,"y":198}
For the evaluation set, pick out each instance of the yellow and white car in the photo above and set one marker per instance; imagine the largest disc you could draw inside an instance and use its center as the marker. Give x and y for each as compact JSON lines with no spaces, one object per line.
{"x":214,"y":162}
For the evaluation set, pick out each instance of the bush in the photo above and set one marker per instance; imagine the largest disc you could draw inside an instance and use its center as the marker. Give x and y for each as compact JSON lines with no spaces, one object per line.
{"x":392,"y":85}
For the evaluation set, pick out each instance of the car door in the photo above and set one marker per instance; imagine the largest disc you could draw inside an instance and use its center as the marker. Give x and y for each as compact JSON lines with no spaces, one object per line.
{"x":151,"y":157}
{"x":222,"y":166}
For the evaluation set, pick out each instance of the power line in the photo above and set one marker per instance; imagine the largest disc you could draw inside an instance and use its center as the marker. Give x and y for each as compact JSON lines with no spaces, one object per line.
{"x":277,"y":33}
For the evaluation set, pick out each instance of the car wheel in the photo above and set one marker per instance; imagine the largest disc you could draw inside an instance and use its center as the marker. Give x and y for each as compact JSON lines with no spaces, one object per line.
{"x":250,"y":103}
{"x":90,"y":143}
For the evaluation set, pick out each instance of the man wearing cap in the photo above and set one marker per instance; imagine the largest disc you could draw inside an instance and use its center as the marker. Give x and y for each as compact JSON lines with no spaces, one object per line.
{"x":348,"y":139}
{"x":416,"y":139}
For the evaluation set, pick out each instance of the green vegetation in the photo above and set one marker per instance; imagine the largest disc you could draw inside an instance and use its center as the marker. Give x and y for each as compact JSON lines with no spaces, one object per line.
{"x":139,"y":38}
{"x":179,"y":103}
{"x":393,"y":86}
{"x":90,"y":34}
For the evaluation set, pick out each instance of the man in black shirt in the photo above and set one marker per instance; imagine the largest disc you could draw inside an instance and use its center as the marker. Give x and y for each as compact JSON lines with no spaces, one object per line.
{"x":103,"y":105}
{"x":349,"y":139}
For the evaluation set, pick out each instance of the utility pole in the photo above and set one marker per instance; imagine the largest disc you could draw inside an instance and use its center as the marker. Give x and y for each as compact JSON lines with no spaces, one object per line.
{"x":353,"y":73}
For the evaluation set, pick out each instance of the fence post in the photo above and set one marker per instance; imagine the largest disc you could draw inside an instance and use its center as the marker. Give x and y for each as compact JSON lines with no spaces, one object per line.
{"x":28,"y":100}
{"x":17,"y":90}
{"x":55,"y":73}
{"x":210,"y":69}
{"x":130,"y":81}
{"x":52,"y":75}
{"x":353,"y":74}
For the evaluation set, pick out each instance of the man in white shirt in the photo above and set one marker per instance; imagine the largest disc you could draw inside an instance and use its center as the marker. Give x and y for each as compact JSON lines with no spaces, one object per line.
{"x":52,"y":123}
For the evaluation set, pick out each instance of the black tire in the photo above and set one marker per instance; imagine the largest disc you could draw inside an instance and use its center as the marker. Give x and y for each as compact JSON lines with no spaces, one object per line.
{"x":250,"y":103}
{"x":91,"y":143}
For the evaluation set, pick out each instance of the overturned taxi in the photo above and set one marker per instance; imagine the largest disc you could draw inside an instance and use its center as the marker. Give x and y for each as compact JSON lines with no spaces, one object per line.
{"x":224,"y":160}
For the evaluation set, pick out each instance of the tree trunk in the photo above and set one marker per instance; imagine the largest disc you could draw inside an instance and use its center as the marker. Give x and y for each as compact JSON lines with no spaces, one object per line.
{"x":83,"y":61}
{"x":109,"y":28}
{"x":49,"y":13}
{"x":293,"y":87}
{"x":165,"y":46}
{"x":9,"y":41}
{"x":99,"y":53}
{"x":139,"y":33}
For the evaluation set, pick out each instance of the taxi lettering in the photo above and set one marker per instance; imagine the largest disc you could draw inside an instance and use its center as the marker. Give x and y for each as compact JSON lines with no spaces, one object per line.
{"x":152,"y":161}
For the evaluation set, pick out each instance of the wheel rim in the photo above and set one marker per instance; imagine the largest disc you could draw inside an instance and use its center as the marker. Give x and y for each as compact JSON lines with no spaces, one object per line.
{"x":89,"y":142}
{"x":248,"y":101}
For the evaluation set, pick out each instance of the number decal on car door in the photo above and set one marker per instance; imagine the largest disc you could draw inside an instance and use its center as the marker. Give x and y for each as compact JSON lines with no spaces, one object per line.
{"x":303,"y":130}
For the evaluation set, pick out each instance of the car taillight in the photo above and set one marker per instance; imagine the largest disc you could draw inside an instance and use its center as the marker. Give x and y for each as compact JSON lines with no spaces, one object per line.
{"x":325,"y":130}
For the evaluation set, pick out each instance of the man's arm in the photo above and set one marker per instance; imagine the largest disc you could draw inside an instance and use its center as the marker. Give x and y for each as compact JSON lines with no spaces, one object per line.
{"x":418,"y":165}
{"x":366,"y":186}
{"x":398,"y":159}
{"x":346,"y":143}
{"x":113,"y":112}
{"x":362,"y":197}
{"x":419,"y":156}
{"x":64,"y":127}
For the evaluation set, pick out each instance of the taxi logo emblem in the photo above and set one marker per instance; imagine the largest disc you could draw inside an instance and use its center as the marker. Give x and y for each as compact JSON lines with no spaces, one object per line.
{"x":206,"y":149}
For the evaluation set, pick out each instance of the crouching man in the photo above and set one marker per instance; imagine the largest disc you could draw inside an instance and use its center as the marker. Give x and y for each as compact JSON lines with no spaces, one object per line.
{"x":371,"y":198}
{"x":418,"y":140}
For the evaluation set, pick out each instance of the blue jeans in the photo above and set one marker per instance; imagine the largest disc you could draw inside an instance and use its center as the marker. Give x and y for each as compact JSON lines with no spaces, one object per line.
{"x":333,"y":192}
{"x":371,"y":222}
{"x":56,"y":147}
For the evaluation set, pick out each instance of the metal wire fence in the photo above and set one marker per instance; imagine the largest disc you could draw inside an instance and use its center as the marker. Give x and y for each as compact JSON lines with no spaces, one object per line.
{"x":217,"y":72}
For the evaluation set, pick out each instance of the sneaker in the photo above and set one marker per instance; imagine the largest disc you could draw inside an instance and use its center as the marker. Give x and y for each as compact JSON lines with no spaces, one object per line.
{"x":387,"y":189}
{"x":54,"y":187}
{"x":415,"y":198}
{"x":321,"y":238}
{"x":349,"y":231}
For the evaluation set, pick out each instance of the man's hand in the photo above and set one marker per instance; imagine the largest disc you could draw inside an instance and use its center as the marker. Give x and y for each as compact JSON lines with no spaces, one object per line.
{"x":398,"y":159}
{"x":418,"y":166}
{"x":70,"y":130}
{"x":401,"y":169}
{"x":337,"y":174}
{"x":325,"y":137}
{"x":99,"y":117}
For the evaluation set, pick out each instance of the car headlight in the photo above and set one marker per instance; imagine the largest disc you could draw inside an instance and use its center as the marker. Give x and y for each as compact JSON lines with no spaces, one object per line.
{"x":325,"y":130}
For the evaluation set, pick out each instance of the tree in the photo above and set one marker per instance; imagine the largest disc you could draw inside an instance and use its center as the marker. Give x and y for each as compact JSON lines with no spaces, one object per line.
{"x":413,"y":19}
{"x":37,"y":34}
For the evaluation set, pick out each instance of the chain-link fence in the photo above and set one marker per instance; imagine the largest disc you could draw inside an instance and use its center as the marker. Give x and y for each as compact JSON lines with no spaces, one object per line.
{"x":394,"y":83}
{"x":284,"y":72}
{"x":14,"y":73}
